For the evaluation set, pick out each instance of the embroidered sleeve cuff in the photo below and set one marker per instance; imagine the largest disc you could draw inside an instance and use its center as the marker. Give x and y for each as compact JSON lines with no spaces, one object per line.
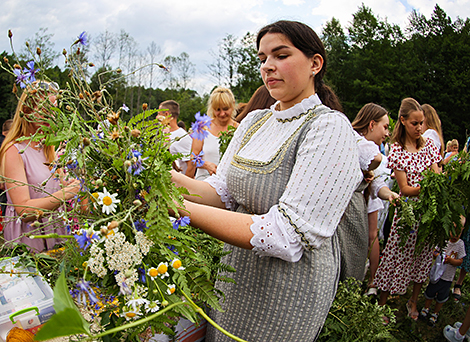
{"x":222,"y":190}
{"x":275,"y":238}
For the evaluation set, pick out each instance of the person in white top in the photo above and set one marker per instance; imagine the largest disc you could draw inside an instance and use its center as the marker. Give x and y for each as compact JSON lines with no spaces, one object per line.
{"x":220,"y":108}
{"x":287,"y":176}
{"x":180,"y":141}
{"x":432,"y":128}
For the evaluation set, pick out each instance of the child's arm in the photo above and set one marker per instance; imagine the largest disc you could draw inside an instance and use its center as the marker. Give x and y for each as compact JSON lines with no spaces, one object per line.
{"x":452,"y":261}
{"x":405,"y":189}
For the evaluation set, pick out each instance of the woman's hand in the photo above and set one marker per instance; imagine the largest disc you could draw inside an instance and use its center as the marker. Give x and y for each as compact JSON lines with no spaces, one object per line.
{"x":393,"y":196}
{"x":210,"y":167}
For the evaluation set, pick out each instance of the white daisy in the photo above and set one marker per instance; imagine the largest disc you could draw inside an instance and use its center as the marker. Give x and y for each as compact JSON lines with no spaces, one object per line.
{"x":152,"y":272}
{"x":171,"y":289}
{"x":152,"y":306}
{"x":162,"y":269}
{"x":108,"y":201}
{"x":131,"y":314}
{"x":135,"y":303}
{"x":177,"y":264}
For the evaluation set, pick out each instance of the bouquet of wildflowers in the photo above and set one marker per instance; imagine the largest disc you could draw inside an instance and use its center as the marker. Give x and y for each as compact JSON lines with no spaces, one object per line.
{"x":125,"y":260}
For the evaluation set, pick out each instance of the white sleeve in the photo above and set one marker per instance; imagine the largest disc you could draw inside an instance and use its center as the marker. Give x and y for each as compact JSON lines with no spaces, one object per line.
{"x":182,"y":146}
{"x":367,"y":151}
{"x":432,"y":134}
{"x":218,"y":180}
{"x":324,"y":177}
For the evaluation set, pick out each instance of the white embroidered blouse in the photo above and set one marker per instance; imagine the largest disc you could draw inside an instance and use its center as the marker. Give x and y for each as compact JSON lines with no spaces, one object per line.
{"x":324,"y":177}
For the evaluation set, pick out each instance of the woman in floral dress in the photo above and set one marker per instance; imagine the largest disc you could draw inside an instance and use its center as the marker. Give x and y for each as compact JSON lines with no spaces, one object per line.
{"x":410,"y":156}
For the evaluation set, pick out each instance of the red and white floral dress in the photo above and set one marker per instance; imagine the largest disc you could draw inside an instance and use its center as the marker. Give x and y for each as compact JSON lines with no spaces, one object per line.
{"x":400,"y":265}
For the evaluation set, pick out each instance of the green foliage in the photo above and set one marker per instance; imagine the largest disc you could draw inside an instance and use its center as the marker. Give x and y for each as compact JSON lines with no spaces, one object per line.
{"x":443,"y":200}
{"x":122,"y":212}
{"x":67,"y":319}
{"x":353,"y":317}
{"x":377,"y":62}
{"x":225,"y":138}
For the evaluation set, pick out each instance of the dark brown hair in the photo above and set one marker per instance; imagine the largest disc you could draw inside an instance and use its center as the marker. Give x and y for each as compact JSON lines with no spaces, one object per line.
{"x":306,"y":40}
{"x":407,"y":106}
{"x":261,"y":99}
{"x":172,"y":106}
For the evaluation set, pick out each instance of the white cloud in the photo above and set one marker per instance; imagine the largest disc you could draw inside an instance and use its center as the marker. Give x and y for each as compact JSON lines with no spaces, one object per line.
{"x":192,"y":26}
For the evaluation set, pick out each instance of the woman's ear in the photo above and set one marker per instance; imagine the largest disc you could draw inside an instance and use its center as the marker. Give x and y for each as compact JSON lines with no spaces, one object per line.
{"x":317,"y":63}
{"x":371,"y":125}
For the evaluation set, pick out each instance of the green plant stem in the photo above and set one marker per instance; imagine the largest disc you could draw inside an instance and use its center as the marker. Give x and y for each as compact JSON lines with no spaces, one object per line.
{"x":135,"y":323}
{"x":169,"y":307}
{"x":215,"y":325}
{"x":51,"y":236}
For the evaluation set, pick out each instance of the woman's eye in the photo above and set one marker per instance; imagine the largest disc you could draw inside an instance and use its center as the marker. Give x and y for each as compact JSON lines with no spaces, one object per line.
{"x":262,"y":61}
{"x":282,"y":56}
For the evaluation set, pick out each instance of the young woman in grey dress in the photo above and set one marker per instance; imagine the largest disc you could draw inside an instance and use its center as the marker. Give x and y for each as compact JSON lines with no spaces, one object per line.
{"x":286,"y":178}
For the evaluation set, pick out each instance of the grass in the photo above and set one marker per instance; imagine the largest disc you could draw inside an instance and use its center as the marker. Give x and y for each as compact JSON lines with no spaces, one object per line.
{"x":406,"y":329}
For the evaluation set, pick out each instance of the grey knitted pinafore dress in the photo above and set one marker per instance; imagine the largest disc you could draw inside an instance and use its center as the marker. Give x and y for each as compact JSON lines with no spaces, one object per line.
{"x":272,"y":299}
{"x":353,"y":234}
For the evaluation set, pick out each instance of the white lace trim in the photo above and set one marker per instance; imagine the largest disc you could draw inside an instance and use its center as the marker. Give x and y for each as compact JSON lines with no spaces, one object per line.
{"x":301,"y":107}
{"x":275,"y":238}
{"x":367,"y":151}
{"x":222,"y":190}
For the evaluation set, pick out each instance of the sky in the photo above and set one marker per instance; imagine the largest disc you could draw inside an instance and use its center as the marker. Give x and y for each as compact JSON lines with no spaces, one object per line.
{"x":192,"y":26}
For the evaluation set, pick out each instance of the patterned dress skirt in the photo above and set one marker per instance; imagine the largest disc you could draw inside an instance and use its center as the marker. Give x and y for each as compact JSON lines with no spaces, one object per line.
{"x":400,"y":265}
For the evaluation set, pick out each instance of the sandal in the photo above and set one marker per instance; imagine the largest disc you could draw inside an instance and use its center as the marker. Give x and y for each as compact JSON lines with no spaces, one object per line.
{"x":412,"y":314}
{"x":372,"y":291}
{"x":424,"y":313}
{"x":433,"y":319}
{"x":456,"y":295}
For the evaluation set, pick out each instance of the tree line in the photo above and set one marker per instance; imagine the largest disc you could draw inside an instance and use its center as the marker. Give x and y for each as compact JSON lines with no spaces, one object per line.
{"x":369,"y":60}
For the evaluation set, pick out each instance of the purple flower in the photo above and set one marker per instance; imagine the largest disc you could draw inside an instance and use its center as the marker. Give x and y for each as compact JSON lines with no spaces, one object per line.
{"x":181,"y":222}
{"x":31,"y":71}
{"x":136,"y":166}
{"x":83,"y":39}
{"x":140,"y":225}
{"x":21,"y":78}
{"x":84,"y":288}
{"x":125,"y":108}
{"x":142,"y":276}
{"x":84,"y":240}
{"x":173,"y":249}
{"x":124,"y":289}
{"x":197,"y":159}
{"x":198,"y":127}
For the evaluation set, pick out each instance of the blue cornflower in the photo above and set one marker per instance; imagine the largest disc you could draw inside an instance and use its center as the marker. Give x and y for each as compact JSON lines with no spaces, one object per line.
{"x":31,"y":71}
{"x":83,"y":39}
{"x":197,"y":159}
{"x":198,"y":127}
{"x":125,"y":108}
{"x":136,"y":163}
{"x":173,"y":249}
{"x":84,"y":240}
{"x":124,"y":289}
{"x":142,"y":277}
{"x":140,"y":225}
{"x":21,"y":78}
{"x":84,"y":288}
{"x":181,"y":222}
{"x":72,"y":166}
